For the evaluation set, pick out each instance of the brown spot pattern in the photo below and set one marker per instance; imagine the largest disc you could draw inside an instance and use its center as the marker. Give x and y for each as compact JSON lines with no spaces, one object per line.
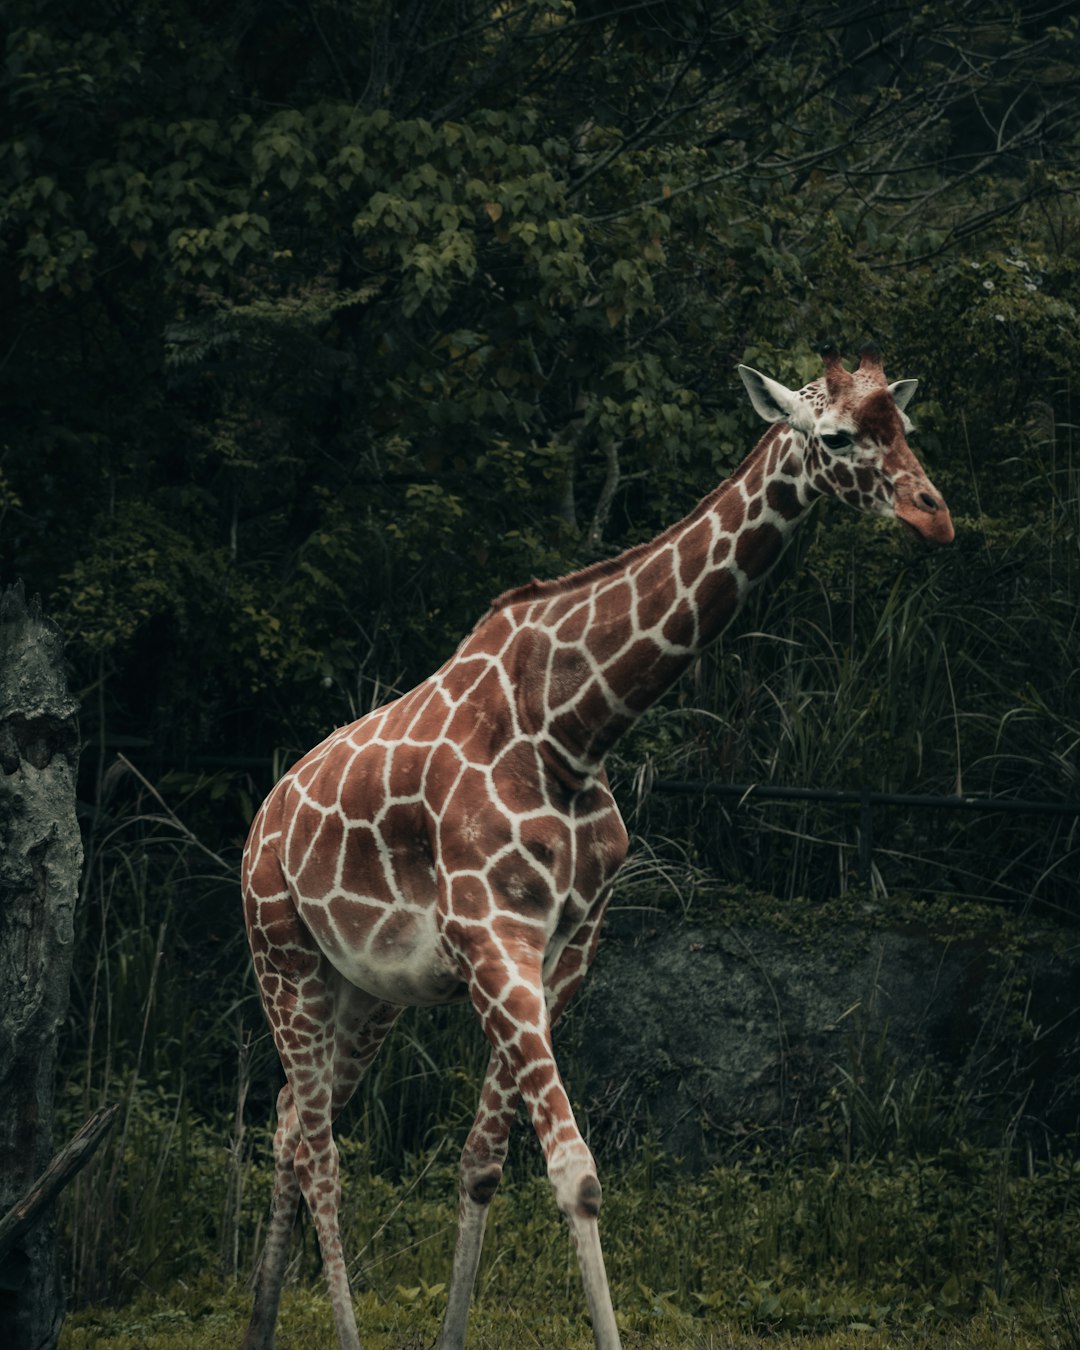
{"x":464,"y":838}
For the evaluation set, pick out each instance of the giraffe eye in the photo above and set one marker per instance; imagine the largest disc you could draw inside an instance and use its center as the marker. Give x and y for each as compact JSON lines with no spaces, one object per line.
{"x":838,"y":440}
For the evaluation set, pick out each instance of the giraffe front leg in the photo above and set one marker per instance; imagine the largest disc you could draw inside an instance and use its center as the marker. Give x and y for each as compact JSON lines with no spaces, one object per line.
{"x":482,"y":1161}
{"x":584,"y":1229}
{"x":511,"y":1002}
{"x":484,"y":1153}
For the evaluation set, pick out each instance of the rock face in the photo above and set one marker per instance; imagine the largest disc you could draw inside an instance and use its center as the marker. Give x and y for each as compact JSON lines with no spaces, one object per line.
{"x":40,"y":857}
{"x":707,"y":1033}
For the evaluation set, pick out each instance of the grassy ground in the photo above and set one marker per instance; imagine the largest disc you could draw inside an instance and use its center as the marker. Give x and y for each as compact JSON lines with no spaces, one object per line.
{"x":888,"y":1225}
{"x":969,"y":1247}
{"x":190,"y":1322}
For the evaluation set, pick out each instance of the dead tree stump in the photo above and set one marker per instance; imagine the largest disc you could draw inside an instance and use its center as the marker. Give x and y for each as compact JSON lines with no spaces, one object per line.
{"x":40,"y":858}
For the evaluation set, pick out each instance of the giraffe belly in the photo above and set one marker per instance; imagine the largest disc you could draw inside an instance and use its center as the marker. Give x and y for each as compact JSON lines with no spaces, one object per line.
{"x":390,"y":951}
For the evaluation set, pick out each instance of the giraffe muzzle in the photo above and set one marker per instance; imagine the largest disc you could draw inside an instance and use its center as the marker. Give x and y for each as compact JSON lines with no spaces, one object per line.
{"x":924,"y":512}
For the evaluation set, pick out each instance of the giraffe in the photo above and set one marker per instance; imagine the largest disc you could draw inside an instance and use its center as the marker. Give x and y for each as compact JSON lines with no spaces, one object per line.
{"x":461,"y":841}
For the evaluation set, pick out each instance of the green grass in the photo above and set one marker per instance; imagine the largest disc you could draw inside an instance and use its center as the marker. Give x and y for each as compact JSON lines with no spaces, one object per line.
{"x":191,"y":1320}
{"x":969,"y":1245}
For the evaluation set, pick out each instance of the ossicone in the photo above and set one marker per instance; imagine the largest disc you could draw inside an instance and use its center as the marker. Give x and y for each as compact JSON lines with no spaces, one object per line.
{"x":836,"y":377}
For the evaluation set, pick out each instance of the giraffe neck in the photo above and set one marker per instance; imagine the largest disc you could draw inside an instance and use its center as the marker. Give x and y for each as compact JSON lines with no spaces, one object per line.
{"x":600,"y":646}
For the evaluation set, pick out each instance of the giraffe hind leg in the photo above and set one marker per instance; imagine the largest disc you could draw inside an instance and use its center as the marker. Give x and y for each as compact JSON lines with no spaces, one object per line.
{"x":306,"y":1155}
{"x":327,"y":1033}
{"x":271,"y":1272}
{"x":359,"y":1026}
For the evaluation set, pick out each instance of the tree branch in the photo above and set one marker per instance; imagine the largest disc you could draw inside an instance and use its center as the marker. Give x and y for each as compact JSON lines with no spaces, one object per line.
{"x":71,"y":1159}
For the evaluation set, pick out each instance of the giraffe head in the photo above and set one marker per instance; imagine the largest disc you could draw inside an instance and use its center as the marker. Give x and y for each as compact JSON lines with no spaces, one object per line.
{"x":854,"y":431}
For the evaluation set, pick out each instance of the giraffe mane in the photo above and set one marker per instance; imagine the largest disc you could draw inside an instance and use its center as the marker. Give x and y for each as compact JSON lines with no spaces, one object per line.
{"x":539,"y":589}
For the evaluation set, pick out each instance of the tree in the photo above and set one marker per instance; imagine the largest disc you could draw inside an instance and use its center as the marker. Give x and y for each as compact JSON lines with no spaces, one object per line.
{"x":40,"y":856}
{"x":327,"y":322}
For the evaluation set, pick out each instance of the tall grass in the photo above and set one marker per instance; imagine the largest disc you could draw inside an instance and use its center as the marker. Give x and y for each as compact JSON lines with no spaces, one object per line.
{"x":165,"y":1019}
{"x":871,"y":1212}
{"x":798,"y":1241}
{"x":140,"y":1025}
{"x":893,"y":671}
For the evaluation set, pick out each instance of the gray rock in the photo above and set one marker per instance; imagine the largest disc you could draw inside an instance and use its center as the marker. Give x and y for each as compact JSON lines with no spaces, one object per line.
{"x":706,"y":1034}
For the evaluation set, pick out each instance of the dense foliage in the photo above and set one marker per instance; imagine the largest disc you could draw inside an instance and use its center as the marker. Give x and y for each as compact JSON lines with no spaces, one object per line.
{"x":324,"y":322}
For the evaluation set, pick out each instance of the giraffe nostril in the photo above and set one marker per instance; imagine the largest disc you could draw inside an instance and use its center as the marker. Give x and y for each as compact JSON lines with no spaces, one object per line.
{"x":927,"y":501}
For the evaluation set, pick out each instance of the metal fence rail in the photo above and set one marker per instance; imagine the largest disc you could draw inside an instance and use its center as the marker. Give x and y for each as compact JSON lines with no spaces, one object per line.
{"x":865,"y":800}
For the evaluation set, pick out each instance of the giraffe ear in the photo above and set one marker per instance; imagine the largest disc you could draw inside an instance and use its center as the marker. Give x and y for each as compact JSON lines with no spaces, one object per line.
{"x":902,"y":391}
{"x":772,"y":400}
